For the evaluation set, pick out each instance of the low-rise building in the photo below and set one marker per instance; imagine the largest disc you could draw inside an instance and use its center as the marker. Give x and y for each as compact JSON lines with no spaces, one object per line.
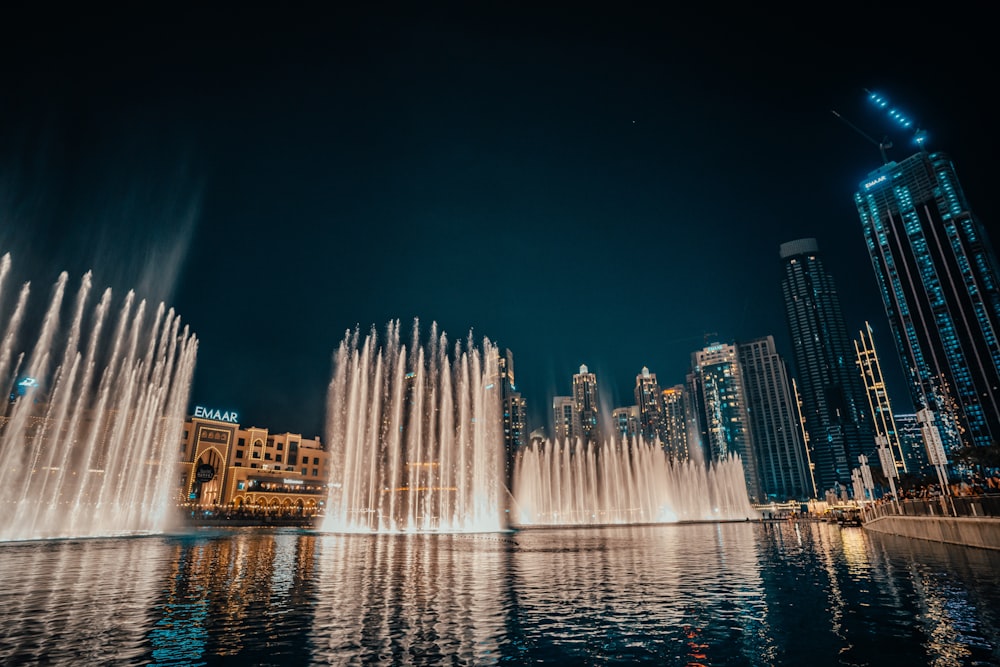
{"x":227,"y":468}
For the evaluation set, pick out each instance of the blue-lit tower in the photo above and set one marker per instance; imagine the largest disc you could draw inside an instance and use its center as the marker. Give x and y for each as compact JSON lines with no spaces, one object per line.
{"x":939,"y":283}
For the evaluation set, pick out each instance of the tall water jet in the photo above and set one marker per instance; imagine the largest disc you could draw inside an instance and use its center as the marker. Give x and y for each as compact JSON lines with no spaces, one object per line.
{"x":626,"y":481}
{"x":88,"y":439}
{"x":415,"y":434}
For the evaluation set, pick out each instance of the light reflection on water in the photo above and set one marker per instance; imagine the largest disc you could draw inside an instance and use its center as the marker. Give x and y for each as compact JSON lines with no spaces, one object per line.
{"x":708,"y":594}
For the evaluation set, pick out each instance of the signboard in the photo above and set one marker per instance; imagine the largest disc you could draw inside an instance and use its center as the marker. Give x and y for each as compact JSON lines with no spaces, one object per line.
{"x":204,"y":473}
{"x":888,"y":462}
{"x":215,"y":414}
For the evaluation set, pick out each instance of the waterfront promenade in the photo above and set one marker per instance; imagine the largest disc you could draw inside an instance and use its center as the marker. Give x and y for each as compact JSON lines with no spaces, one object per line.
{"x":972,"y":521}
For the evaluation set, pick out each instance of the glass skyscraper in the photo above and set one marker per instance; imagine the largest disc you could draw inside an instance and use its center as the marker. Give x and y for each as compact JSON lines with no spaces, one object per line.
{"x":774,"y":422}
{"x":834,"y":404}
{"x":939,"y":282}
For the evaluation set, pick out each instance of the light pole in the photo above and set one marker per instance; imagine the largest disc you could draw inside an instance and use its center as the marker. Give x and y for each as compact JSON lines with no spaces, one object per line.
{"x":888,"y":462}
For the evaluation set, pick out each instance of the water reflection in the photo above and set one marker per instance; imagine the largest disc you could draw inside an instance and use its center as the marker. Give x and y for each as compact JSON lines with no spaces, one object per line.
{"x":697,"y":594}
{"x":404,"y":599}
{"x":67,"y":603}
{"x":688,"y":592}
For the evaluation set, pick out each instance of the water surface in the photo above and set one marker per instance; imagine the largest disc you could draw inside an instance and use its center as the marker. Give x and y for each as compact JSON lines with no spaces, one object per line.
{"x":698,"y":594}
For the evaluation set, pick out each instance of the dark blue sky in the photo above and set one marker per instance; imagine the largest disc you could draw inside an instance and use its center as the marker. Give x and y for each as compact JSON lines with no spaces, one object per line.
{"x":602,"y":186}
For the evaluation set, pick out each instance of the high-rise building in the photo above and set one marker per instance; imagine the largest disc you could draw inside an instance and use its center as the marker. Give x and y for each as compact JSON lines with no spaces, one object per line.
{"x":626,"y":421}
{"x":911,"y":442}
{"x":834,"y":406}
{"x":782,"y":466}
{"x":647,"y":397}
{"x":675,"y":426}
{"x":719,"y":402}
{"x":586,"y":405}
{"x":514,"y":412}
{"x":939,"y":281}
{"x":879,"y":405}
{"x":565,"y":418}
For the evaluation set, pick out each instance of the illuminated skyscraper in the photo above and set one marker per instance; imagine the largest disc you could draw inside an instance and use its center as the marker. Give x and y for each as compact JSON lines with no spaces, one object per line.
{"x":647,"y":397}
{"x":514,"y":412}
{"x":585,"y":401}
{"x":834,"y":406}
{"x":565,"y":418}
{"x":938,"y":278}
{"x":774,"y":423}
{"x":911,"y":442}
{"x":675,"y":426}
{"x":719,"y":402}
{"x":626,"y":421}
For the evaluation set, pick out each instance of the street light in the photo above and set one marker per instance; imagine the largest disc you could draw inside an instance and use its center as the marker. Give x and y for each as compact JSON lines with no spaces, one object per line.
{"x":888,"y":462}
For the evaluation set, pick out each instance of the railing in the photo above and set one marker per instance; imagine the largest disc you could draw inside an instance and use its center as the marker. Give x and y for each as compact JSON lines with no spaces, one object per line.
{"x":956,"y":506}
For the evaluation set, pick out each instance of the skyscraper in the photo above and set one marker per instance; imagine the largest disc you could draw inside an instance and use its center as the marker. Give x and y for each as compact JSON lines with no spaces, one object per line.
{"x":514,"y":412}
{"x":774,"y":423}
{"x":647,"y":397}
{"x":834,"y":406}
{"x":911,"y":442}
{"x":585,"y":401}
{"x":938,"y":278}
{"x":565,"y":418}
{"x":719,"y":400}
{"x":626,"y":421}
{"x":675,"y":426}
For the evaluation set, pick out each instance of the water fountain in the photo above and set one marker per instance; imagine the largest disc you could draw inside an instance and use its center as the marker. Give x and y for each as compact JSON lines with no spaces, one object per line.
{"x":415,"y":435}
{"x":88,"y":440}
{"x":626,"y":481}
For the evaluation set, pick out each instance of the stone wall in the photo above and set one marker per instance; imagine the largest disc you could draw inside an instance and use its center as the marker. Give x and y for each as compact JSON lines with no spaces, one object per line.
{"x":983,"y":532}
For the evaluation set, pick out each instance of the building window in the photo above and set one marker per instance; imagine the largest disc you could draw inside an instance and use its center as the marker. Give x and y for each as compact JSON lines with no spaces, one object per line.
{"x":238,"y":465}
{"x":241,"y":442}
{"x":293,"y":459}
{"x":253,"y":465}
{"x":281,"y":446}
{"x":239,"y":453}
{"x":267,"y":456}
{"x":315,"y":472}
{"x":277,"y":458}
{"x":305,"y":460}
{"x":303,"y":472}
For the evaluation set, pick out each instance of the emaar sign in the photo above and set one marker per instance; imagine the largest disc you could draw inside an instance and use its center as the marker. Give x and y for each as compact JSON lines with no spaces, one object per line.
{"x":217,"y":415}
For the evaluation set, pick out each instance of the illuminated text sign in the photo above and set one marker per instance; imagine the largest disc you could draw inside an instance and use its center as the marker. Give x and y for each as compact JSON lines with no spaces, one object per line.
{"x":217,"y":415}
{"x":875,"y":181}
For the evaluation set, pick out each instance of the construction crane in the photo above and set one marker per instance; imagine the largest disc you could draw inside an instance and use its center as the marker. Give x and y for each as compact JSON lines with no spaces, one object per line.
{"x":882,"y":145}
{"x":919,"y":136}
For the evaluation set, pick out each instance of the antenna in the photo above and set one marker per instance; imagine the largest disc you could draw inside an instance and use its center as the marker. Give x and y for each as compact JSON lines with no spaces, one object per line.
{"x":882,"y":145}
{"x":919,"y":136}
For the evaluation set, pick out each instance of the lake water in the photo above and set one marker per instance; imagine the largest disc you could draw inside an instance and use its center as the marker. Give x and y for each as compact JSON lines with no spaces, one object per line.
{"x":785,"y":593}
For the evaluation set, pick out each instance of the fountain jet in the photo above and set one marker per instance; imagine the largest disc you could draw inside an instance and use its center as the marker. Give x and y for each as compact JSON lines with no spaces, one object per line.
{"x":88,"y":439}
{"x":416,"y":435}
{"x":626,"y":481}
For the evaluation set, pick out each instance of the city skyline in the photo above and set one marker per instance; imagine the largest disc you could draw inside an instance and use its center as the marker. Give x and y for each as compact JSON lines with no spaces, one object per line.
{"x":581,"y":188}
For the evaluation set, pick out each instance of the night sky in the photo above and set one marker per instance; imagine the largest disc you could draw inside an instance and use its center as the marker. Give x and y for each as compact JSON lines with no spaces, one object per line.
{"x":605,"y":186}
